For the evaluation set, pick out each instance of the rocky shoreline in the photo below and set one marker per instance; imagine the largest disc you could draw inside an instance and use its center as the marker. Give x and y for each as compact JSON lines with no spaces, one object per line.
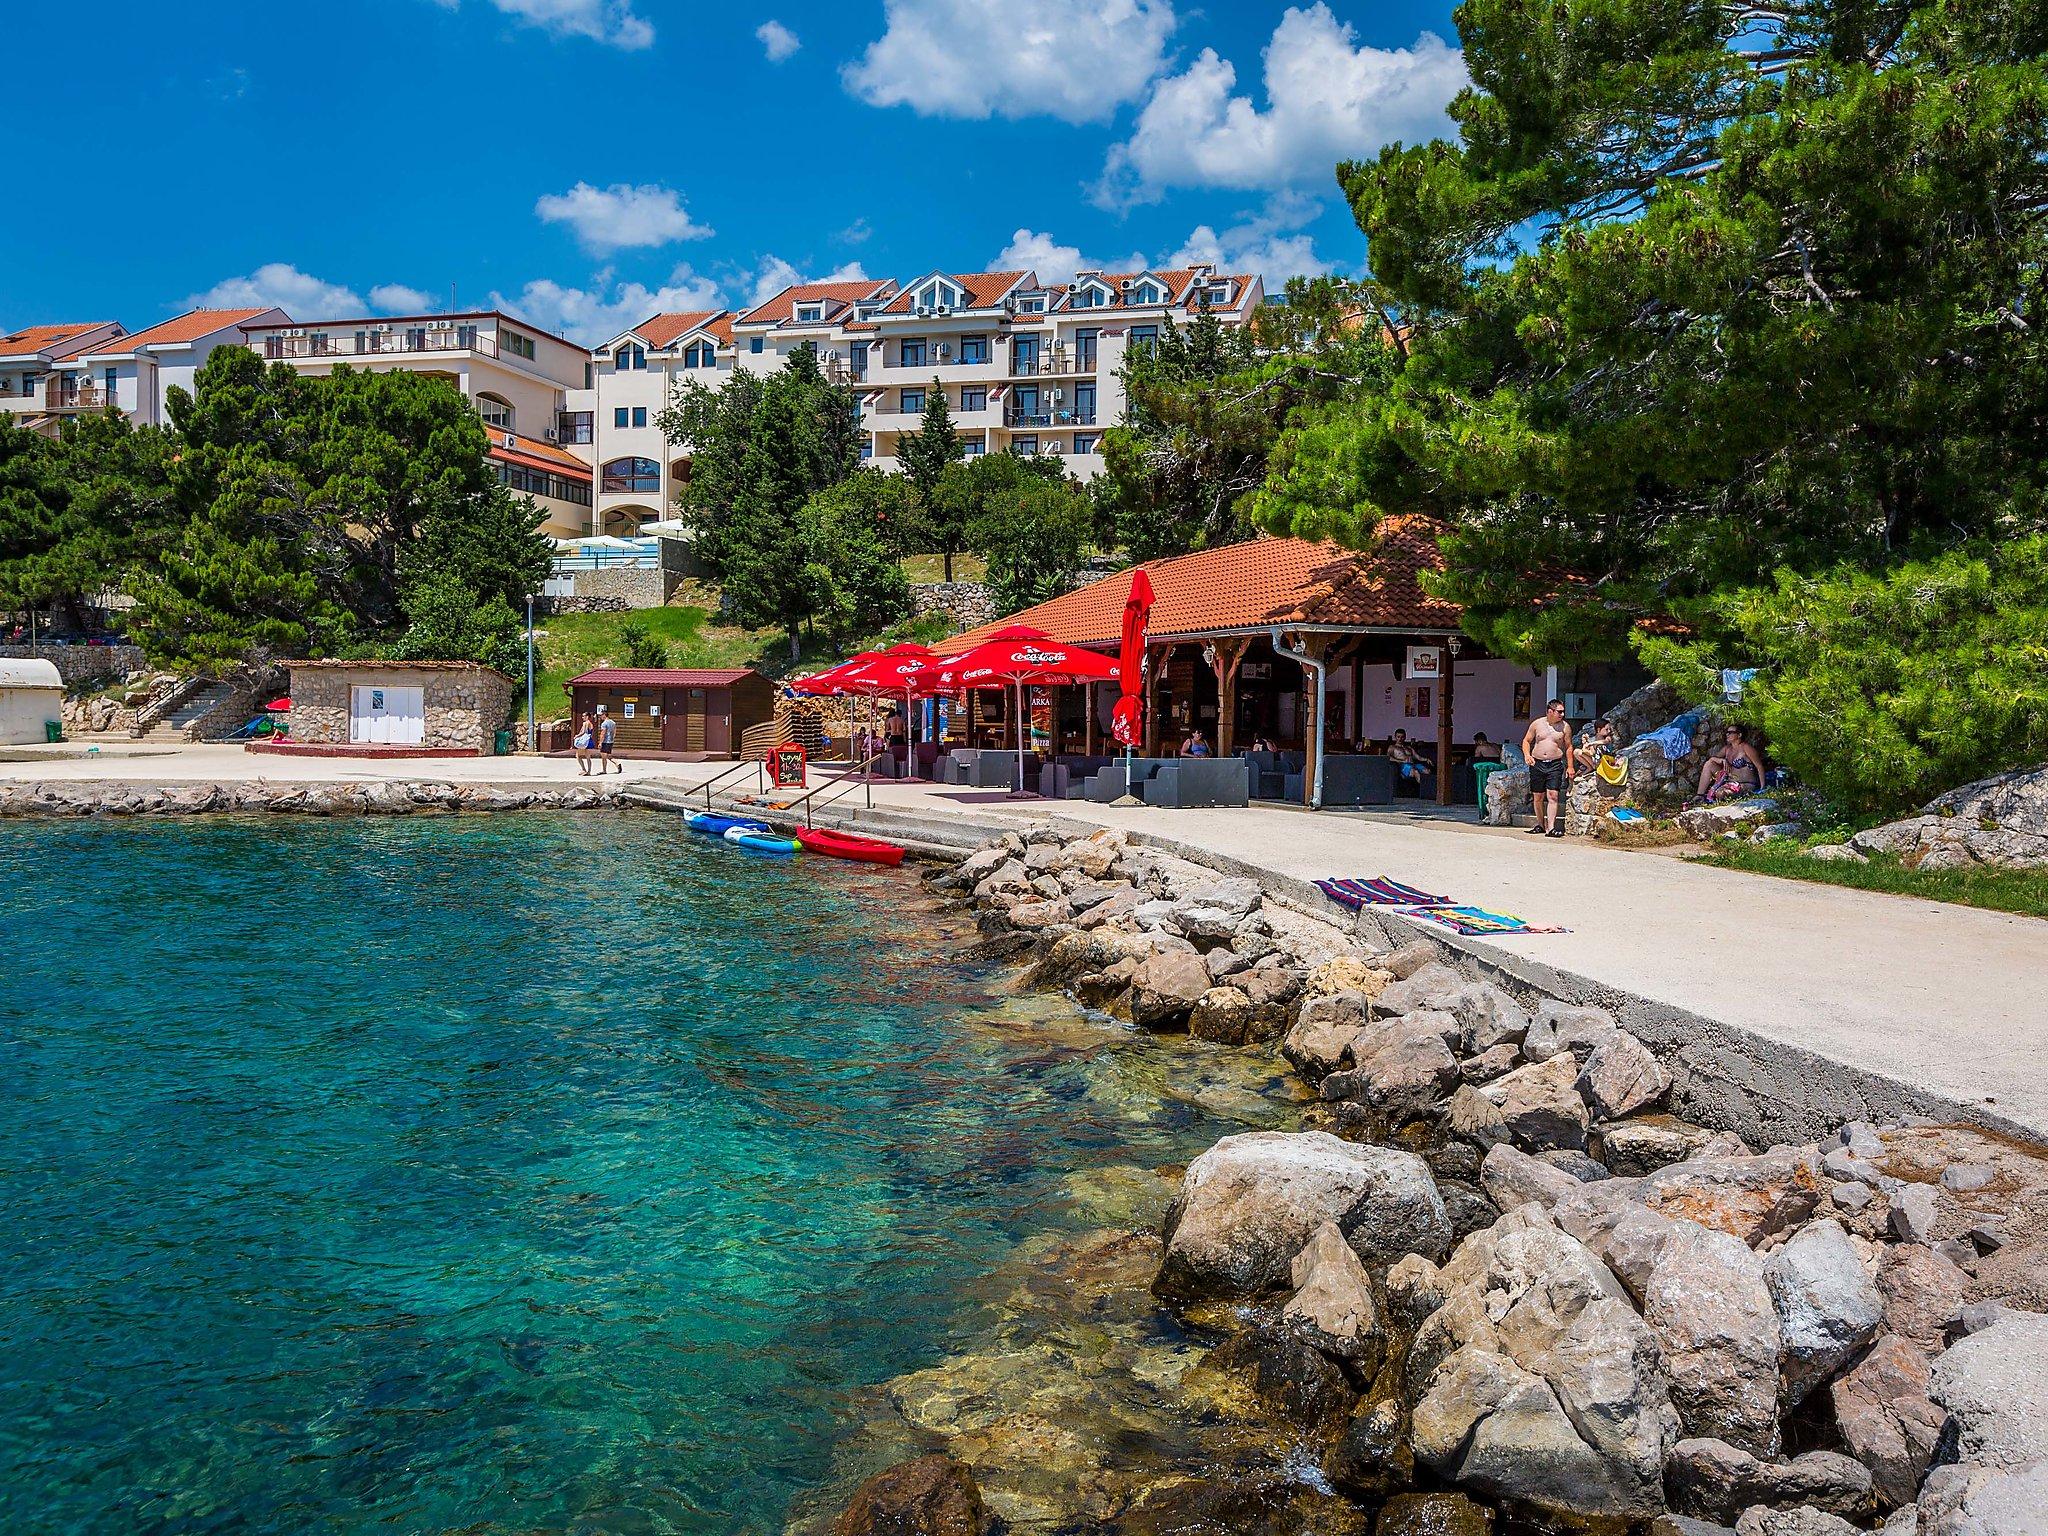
{"x":1491,"y":1283}
{"x":378,"y":798}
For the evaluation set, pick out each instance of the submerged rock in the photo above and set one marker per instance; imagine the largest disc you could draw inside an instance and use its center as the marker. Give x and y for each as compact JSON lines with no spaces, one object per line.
{"x":931,"y":1496}
{"x":1250,"y":1203}
{"x":1433,"y":1514}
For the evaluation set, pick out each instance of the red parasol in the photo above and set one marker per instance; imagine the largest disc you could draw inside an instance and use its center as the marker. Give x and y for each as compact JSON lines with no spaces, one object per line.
{"x":278,"y":706}
{"x":900,"y":669}
{"x":1127,"y":724}
{"x":1024,"y":658}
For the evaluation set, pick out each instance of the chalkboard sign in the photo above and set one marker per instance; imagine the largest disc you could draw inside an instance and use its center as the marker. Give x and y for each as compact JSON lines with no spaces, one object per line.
{"x":786,"y":766}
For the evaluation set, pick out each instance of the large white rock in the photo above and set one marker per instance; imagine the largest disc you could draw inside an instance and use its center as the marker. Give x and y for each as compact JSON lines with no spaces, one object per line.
{"x":1250,"y":1203}
{"x":1994,"y":1385}
{"x":1828,"y":1304}
{"x":1985,"y":1501}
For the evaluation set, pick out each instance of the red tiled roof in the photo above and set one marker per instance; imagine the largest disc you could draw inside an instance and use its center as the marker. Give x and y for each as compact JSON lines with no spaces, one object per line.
{"x":662,"y":330}
{"x":782,"y":306}
{"x":1265,"y":581}
{"x":190,"y":326}
{"x":984,"y":290}
{"x":1179,"y":285}
{"x":535,"y":454}
{"x":45,"y":338}
{"x":661,"y":677}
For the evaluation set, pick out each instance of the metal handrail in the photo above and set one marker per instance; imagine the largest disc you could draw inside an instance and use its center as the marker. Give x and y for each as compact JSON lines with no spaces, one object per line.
{"x":845,"y":784}
{"x":753,"y":763}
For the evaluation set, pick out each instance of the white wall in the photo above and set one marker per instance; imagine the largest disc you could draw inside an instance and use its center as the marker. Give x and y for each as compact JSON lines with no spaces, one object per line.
{"x":23,"y":711}
{"x":1483,"y":701}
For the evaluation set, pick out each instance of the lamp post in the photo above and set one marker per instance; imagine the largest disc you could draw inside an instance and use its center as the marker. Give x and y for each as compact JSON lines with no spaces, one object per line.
{"x":532,"y":725}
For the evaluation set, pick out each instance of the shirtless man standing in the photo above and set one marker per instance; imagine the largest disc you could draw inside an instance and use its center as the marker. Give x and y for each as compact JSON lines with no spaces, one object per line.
{"x":1547,"y":745}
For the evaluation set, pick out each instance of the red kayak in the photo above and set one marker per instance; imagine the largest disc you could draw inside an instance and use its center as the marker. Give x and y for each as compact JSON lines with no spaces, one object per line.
{"x":845,"y":845}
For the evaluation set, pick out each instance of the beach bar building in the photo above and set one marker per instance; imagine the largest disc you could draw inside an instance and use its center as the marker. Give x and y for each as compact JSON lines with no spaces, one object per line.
{"x":397,"y":708}
{"x":1320,"y":650}
{"x":683,"y":714}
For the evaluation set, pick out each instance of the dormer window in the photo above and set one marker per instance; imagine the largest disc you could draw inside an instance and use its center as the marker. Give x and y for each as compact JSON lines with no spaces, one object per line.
{"x":1147,"y":292}
{"x":700,"y":354}
{"x":1032,"y":304}
{"x":810,"y":314}
{"x":630,"y":357}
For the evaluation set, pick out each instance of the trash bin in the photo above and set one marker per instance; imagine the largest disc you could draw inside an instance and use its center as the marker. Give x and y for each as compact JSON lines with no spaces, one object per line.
{"x":1481,"y":772}
{"x":502,"y":745}
{"x":53,"y":730}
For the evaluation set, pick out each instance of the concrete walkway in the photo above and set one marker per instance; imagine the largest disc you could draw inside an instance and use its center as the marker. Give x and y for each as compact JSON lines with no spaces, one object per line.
{"x":1943,"y":1003}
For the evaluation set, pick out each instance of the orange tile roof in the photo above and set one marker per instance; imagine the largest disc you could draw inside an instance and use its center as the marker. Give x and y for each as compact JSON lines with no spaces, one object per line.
{"x":984,"y":290}
{"x":1250,"y":585}
{"x":779,"y":309}
{"x":663,"y":330}
{"x":45,"y":338}
{"x":535,"y":454}
{"x":190,"y":326}
{"x":1179,"y":282}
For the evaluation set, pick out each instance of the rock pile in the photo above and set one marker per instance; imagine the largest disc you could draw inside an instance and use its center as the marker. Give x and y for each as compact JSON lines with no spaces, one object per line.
{"x":380,"y":798}
{"x":1492,"y":1258}
{"x":2001,"y":821}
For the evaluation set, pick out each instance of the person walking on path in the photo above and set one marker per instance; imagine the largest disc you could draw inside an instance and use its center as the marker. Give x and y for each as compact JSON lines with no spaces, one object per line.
{"x":607,"y":734}
{"x":1547,"y":745}
{"x":585,"y":739}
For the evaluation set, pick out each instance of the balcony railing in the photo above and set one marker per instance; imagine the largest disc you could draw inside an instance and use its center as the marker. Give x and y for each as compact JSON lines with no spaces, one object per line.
{"x":1055,"y":417}
{"x":404,"y":340}
{"x":1056,"y":361}
{"x":58,"y":396}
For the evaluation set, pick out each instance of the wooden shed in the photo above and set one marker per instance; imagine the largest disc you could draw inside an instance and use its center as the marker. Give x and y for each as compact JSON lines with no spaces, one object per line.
{"x":683,"y":713}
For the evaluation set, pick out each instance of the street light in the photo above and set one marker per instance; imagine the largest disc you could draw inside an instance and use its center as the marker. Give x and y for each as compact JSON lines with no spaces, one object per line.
{"x":532,"y":725}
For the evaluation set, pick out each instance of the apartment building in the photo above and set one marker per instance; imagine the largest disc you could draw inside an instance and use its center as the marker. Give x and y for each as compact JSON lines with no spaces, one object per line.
{"x":632,"y":378}
{"x":103,"y":366}
{"x":519,"y":377}
{"x":34,"y":355}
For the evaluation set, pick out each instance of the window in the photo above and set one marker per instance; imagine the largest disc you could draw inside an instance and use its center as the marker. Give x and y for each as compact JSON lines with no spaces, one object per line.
{"x":572,"y":426}
{"x":1087,"y":298}
{"x":619,"y":417}
{"x":809,"y":314}
{"x":1084,"y":442}
{"x":1034,"y":305}
{"x":495,"y":412}
{"x":973,"y":447}
{"x":1024,"y":446}
{"x":642,"y":475}
{"x":586,"y":374}
{"x":1143,"y":336}
{"x":754,"y":344}
{"x":520,"y":346}
{"x":974,"y":399}
{"x":700,"y":354}
{"x":913,"y":402}
{"x":108,"y":378}
{"x":639,"y":415}
{"x":630,"y":357}
{"x":554,"y":487}
{"x":1147,"y":293}
{"x":1084,"y":346}
{"x":911,"y":354}
{"x":973,"y":349}
{"x":867,"y":448}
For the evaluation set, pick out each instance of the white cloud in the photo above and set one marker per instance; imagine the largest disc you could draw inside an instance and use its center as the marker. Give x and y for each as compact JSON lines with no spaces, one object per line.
{"x":397,"y":299}
{"x":1271,"y":243}
{"x":298,"y":294}
{"x":1326,"y":100}
{"x":604,"y":309}
{"x":621,"y":216}
{"x":774,"y":274}
{"x":602,"y":21}
{"x":1034,"y":251}
{"x":1077,"y":60}
{"x":778,"y":40}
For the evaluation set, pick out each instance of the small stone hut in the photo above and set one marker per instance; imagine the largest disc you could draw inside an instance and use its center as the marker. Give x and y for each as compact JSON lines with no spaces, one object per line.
{"x":31,"y":694}
{"x":450,"y":708}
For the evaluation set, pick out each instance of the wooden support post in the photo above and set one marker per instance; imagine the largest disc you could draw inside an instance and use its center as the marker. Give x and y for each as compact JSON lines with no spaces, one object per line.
{"x":1159,"y":658}
{"x":1088,"y":702}
{"x":1448,"y":687}
{"x":1226,"y":655}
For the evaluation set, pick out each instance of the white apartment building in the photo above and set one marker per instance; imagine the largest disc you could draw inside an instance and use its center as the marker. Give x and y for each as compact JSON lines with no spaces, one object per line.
{"x":103,"y":366}
{"x":632,"y":377}
{"x":32,"y":357}
{"x":518,"y":376}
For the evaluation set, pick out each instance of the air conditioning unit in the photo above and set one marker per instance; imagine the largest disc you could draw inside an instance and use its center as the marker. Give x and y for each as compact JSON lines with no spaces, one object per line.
{"x":1058,"y":395}
{"x":552,"y":435}
{"x":297,"y":330}
{"x":945,"y":309}
{"x":924,"y":310}
{"x":945,"y":350}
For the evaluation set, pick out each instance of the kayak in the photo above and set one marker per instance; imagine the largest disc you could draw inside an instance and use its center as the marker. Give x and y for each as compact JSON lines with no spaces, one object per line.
{"x":712,"y":824}
{"x":847,"y":845}
{"x":757,"y":839}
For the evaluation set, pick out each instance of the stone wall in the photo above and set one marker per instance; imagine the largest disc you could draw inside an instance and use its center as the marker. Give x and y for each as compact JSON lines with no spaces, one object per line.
{"x":964,"y":603}
{"x":78,"y":664}
{"x":552,"y":605}
{"x":630,"y":585}
{"x":464,"y":707}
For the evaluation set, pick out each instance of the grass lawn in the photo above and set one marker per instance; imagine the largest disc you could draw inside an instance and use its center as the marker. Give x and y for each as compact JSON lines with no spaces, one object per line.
{"x":924,"y":569}
{"x":2000,"y":890}
{"x":572,"y":643}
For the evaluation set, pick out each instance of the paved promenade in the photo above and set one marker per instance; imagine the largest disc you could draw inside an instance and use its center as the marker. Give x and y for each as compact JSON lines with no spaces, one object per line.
{"x":1939,"y":1000}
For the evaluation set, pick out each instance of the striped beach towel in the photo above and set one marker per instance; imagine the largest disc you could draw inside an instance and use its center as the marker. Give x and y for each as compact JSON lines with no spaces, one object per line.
{"x":1476,"y":921}
{"x":1378,"y":892}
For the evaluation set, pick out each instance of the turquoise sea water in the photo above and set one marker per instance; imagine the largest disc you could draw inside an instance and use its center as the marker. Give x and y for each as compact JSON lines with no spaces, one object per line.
{"x":493,"y":1174}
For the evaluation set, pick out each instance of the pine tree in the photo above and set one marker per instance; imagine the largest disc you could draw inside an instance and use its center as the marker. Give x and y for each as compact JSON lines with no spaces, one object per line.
{"x":925,"y":456}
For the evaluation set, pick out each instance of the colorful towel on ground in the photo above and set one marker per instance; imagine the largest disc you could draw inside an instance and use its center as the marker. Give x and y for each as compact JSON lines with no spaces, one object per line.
{"x":1378,"y":892}
{"x":1477,"y":922}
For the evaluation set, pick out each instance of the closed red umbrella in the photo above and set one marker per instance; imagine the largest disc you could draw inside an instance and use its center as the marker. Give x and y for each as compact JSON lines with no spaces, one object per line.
{"x":1128,"y":723}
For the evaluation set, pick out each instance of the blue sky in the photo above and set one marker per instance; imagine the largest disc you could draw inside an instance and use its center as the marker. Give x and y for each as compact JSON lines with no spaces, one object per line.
{"x":586,"y":162}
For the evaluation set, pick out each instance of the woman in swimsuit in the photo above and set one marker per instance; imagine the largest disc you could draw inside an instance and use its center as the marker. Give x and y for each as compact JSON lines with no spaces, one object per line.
{"x":1737,"y":770}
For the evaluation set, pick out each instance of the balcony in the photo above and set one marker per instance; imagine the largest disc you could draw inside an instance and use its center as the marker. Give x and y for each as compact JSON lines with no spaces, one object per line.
{"x":411,"y":340}
{"x":1048,"y":418}
{"x":1056,"y":361}
{"x":79,"y":396}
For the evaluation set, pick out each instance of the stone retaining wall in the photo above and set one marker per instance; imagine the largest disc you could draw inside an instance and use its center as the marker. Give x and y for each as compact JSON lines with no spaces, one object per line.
{"x":464,"y":706}
{"x":964,"y":603}
{"x":78,"y":664}
{"x":384,"y":797}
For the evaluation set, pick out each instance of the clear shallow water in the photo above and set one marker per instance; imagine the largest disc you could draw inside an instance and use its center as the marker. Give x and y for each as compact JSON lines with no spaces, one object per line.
{"x":496,"y":1174}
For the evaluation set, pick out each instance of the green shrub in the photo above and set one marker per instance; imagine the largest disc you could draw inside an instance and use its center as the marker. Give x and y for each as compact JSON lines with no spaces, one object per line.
{"x":642,"y":648}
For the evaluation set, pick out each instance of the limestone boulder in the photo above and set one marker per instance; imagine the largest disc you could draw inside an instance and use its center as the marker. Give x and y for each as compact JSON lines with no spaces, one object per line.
{"x":1319,"y":1040}
{"x":1400,"y":1069}
{"x":1541,"y":1104}
{"x":1473,"y":1117}
{"x":1984,"y":1501}
{"x":1718,"y":1480}
{"x":1431,"y":985}
{"x":1621,"y":1077}
{"x":1559,"y":1026}
{"x":1165,"y":989}
{"x":1804,"y":1521}
{"x":1332,"y":1306}
{"x":1747,"y":1196}
{"x":1887,"y":1419}
{"x":1646,"y":1143}
{"x":1487,"y":1016}
{"x":1411,"y":957}
{"x":928,"y":1496}
{"x":1252,"y":1202}
{"x":1223,"y":1016}
{"x":1828,"y":1304}
{"x":1994,"y":1385}
{"x":1924,"y":1294}
{"x":1346,"y":973}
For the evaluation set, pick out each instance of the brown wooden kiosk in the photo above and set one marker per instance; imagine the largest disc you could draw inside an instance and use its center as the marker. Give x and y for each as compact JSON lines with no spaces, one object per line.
{"x":1323,"y":652}
{"x":684,"y":714}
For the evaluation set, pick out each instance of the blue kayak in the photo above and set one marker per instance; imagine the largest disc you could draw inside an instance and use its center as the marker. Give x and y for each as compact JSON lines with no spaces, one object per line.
{"x":712,"y":824}
{"x":759,"y":840}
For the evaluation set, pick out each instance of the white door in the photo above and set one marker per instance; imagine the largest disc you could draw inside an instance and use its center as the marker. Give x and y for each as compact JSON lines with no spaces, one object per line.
{"x":387,"y":716}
